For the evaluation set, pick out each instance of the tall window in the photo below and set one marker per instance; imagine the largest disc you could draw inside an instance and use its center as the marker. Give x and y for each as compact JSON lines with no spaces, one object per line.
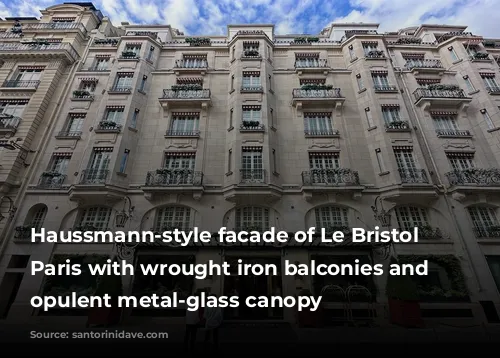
{"x":59,"y":163}
{"x":469,"y":84}
{"x":251,"y":79}
{"x":324,"y":161}
{"x":185,"y":123}
{"x":142,"y":86}
{"x":184,"y":161}
{"x":28,"y":74}
{"x":487,"y":119}
{"x":445,"y":123}
{"x":252,"y":113}
{"x":405,"y":160}
{"x":101,"y":63}
{"x":252,"y":219}
{"x":252,"y":166}
{"x":453,"y":54}
{"x":485,"y":221}
{"x":136,"y":49}
{"x":114,"y":114}
{"x":88,"y":86}
{"x":38,"y":218}
{"x":251,"y":48}
{"x":11,"y":113}
{"x":74,"y":124}
{"x":195,"y":61}
{"x":124,"y":161}
{"x":98,"y":166}
{"x":97,"y":217}
{"x":308,"y":61}
{"x":151,"y":53}
{"x":331,"y":218}
{"x":359,"y":81}
{"x":409,"y":217}
{"x":352,"y":54}
{"x":391,"y":114}
{"x":173,"y":217}
{"x":135,"y":117}
{"x":123,"y":81}
{"x":490,"y":82}
{"x":380,"y":80}
{"x":318,"y":123}
{"x":461,"y":161}
{"x":369,"y":46}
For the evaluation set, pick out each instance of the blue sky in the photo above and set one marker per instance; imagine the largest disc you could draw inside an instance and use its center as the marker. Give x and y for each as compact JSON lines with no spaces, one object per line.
{"x":290,"y":16}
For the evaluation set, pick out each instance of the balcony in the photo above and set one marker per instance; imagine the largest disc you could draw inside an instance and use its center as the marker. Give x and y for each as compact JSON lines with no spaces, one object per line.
{"x":108,"y":127}
{"x":413,"y":176}
{"x":495,"y":90}
{"x":474,"y":177}
{"x":8,"y":125}
{"x":385,"y":88}
{"x":251,"y":89}
{"x":424,"y":65}
{"x":252,"y":176}
{"x":453,"y":133}
{"x":94,"y":176}
{"x":311,"y":66}
{"x":182,"y":133}
{"x":252,"y":126}
{"x":51,"y":180}
{"x":38,"y":50}
{"x":22,"y":234}
{"x":129,"y":55}
{"x":480,"y":57}
{"x":120,"y":90}
{"x":251,"y":55}
{"x":487,"y":232}
{"x":317,"y":95}
{"x":427,"y":232}
{"x":322,"y":133}
{"x":107,"y":42}
{"x":79,"y":95}
{"x":67,"y":134}
{"x":375,"y":55}
{"x":20,"y":85}
{"x":397,"y":126}
{"x":55,"y":26}
{"x":179,"y":180}
{"x":441,"y":96}
{"x":319,"y":181}
{"x":185,"y":97}
{"x":199,"y":66}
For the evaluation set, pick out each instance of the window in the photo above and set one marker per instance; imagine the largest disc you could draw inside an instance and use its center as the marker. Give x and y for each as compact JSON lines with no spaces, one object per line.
{"x":368,"y":47}
{"x":252,"y":113}
{"x":409,"y":217}
{"x":88,"y":86}
{"x":270,"y":83}
{"x":369,"y":118}
{"x":405,"y":160}
{"x":308,"y":61}
{"x":359,"y":81}
{"x":233,"y":50}
{"x":252,"y":219}
{"x":123,"y":81}
{"x":135,"y":116}
{"x":183,"y":161}
{"x":490,"y":83}
{"x":324,"y":161}
{"x":485,"y":221}
{"x":97,"y":217}
{"x":232,"y":83}
{"x":97,"y":169}
{"x":380,"y":81}
{"x":28,"y":74}
{"x":471,"y":49}
{"x":318,"y":123}
{"x":143,"y":83}
{"x":252,"y":166}
{"x":173,"y":217}
{"x":251,"y":48}
{"x":59,"y":163}
{"x":114,"y":115}
{"x":487,"y":119}
{"x":38,"y":218}
{"x":469,"y":85}
{"x":133,"y":49}
{"x":461,"y":162}
{"x":123,"y":163}
{"x":453,"y":54}
{"x":74,"y":124}
{"x":271,"y":116}
{"x":187,"y":123}
{"x":331,"y":218}
{"x":195,"y":61}
{"x":101,"y":64}
{"x":444,"y":123}
{"x":251,"y":79}
{"x":151,"y":53}
{"x":229,"y":160}
{"x":11,"y":113}
{"x":380,"y":160}
{"x":391,"y":114}
{"x":275,"y":163}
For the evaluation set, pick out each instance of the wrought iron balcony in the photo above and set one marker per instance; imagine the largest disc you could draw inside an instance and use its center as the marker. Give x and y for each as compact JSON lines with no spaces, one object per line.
{"x":300,"y":93}
{"x":20,"y":84}
{"x":248,"y":176}
{"x":182,"y":133}
{"x":375,"y":54}
{"x":397,"y":126}
{"x":251,"y":89}
{"x":334,"y":176}
{"x":252,"y":126}
{"x":351,"y":33}
{"x":9,"y":35}
{"x":493,"y":90}
{"x":428,"y":93}
{"x":312,"y":63}
{"x":200,"y":64}
{"x":251,"y":55}
{"x":451,"y":34}
{"x":426,"y":232}
{"x":487,"y":232}
{"x":90,"y":227}
{"x":108,"y":126}
{"x":55,"y":26}
{"x":9,"y":123}
{"x":16,"y":50}
{"x":174,"y":177}
{"x":321,"y":133}
{"x":98,"y":69}
{"x":424,"y":64}
{"x":385,"y":88}
{"x":94,"y":176}
{"x":480,"y":56}
{"x":111,"y":42}
{"x":69,"y":134}
{"x":120,"y":89}
{"x":413,"y":176}
{"x":51,"y":180}
{"x":186,"y":94}
{"x":453,"y":133}
{"x":474,"y":176}
{"x":23,"y":232}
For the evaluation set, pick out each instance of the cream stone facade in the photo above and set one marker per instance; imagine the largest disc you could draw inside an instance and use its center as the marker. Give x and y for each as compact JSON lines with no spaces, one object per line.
{"x":253,"y":130}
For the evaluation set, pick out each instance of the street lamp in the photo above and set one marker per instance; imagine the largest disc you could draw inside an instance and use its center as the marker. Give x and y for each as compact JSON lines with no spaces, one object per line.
{"x":12,"y":208}
{"x":382,"y":216}
{"x":122,"y":216}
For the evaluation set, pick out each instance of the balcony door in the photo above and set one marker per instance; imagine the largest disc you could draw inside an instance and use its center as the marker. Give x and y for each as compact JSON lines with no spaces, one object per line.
{"x":252,"y":166}
{"x":97,"y":169}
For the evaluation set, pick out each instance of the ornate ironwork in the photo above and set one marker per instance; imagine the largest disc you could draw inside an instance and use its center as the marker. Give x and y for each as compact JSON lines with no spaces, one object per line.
{"x":196,"y":63}
{"x":423,"y":63}
{"x":19,"y":47}
{"x":330,"y":177}
{"x":375,"y":54}
{"x":477,"y":176}
{"x":174,"y":177}
{"x":94,"y":176}
{"x":250,"y":126}
{"x":122,"y":89}
{"x":186,"y":94}
{"x":453,"y":133}
{"x":319,"y":93}
{"x":312,"y":63}
{"x":252,"y":175}
{"x":427,"y":93}
{"x":251,"y":89}
{"x":397,"y":126}
{"x":50,"y":180}
{"x":385,"y":88}
{"x":19,"y":83}
{"x":174,"y":133}
{"x":56,"y":26}
{"x":107,"y":126}
{"x":491,"y":232}
{"x":493,"y":90}
{"x":22,"y":232}
{"x":413,"y":176}
{"x":69,"y":134}
{"x":320,"y":133}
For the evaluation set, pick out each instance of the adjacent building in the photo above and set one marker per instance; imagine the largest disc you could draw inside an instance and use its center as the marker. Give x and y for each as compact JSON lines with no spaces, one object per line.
{"x":143,"y":128}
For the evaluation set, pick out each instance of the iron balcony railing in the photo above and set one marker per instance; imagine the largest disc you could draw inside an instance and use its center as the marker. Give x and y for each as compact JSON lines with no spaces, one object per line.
{"x":319,"y":93}
{"x":317,"y":63}
{"x":9,"y":35}
{"x":424,"y":63}
{"x":122,"y":89}
{"x":427,"y":93}
{"x":31,"y":47}
{"x":493,"y":89}
{"x":150,"y":34}
{"x":453,"y":133}
{"x":186,"y":94}
{"x":9,"y":122}
{"x":385,"y":88}
{"x":174,"y":177}
{"x":375,"y":54}
{"x":51,"y":180}
{"x":397,"y":126}
{"x":112,"y":42}
{"x":413,"y":176}
{"x":487,"y":232}
{"x":476,"y":176}
{"x":69,"y":134}
{"x":20,"y":84}
{"x":94,"y":176}
{"x":55,"y":26}
{"x":252,"y":175}
{"x":109,"y":126}
{"x":251,"y":89}
{"x":334,"y":176}
{"x":319,"y":132}
{"x":198,"y":63}
{"x":246,"y":126}
{"x":183,"y":133}
{"x":23,"y":232}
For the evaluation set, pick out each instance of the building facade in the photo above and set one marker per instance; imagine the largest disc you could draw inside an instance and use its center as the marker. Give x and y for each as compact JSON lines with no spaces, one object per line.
{"x":252,"y":130}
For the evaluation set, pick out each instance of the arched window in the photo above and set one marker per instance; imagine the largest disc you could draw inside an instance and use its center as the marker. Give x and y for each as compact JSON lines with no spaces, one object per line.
{"x":97,"y":217}
{"x":409,"y":217}
{"x":173,"y":217}
{"x":331,"y":216}
{"x":252,"y":218}
{"x":37,"y":216}
{"x":485,"y":221}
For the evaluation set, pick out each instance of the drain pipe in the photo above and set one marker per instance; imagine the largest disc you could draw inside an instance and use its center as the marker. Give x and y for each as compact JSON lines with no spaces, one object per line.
{"x":455,"y":220}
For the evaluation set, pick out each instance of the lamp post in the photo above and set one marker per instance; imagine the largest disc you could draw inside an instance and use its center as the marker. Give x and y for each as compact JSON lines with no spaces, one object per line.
{"x":122,"y":216}
{"x":12,"y":208}
{"x":384,"y":218}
